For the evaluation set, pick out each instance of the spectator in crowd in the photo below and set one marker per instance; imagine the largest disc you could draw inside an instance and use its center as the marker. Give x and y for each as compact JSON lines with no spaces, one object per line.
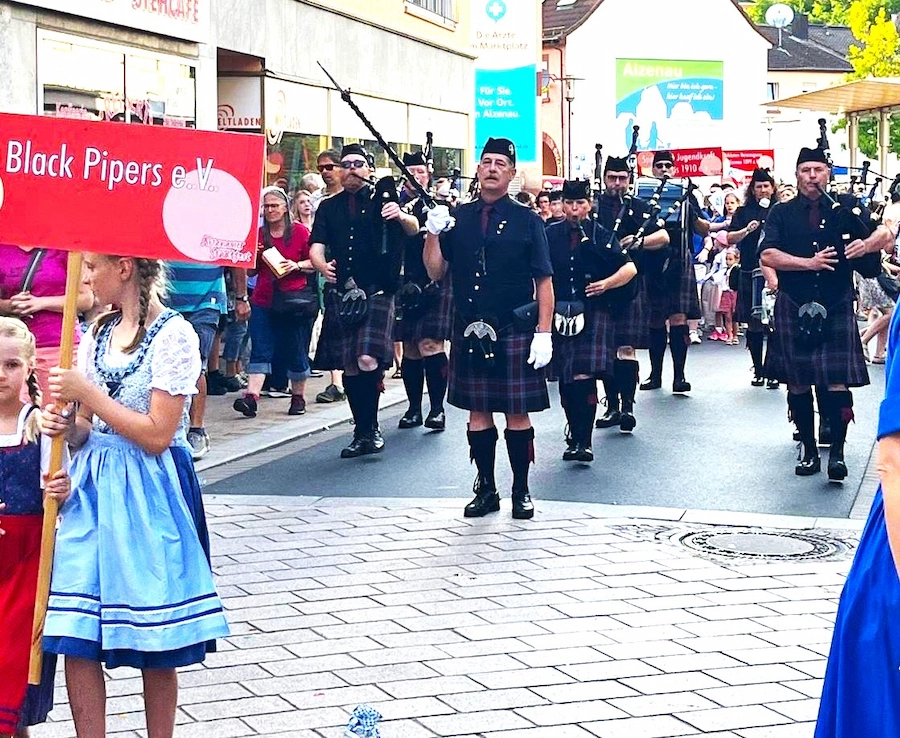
{"x":302,"y":209}
{"x":273,"y":323}
{"x":33,"y":288}
{"x":234,"y":338}
{"x":527,"y":199}
{"x":786,"y":192}
{"x":543,"y":204}
{"x":557,"y":215}
{"x":726,"y":281}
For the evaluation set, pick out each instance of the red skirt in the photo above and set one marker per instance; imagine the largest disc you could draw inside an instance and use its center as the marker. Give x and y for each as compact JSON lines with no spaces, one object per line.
{"x":20,"y":551}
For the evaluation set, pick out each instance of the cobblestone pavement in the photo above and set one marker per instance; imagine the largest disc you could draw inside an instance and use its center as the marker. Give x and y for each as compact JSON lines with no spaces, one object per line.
{"x":575,"y":624}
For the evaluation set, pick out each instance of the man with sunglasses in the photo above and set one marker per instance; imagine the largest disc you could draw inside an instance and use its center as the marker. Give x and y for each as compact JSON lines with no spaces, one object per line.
{"x":672,"y":287}
{"x":359,"y":298}
{"x":328,"y":164}
{"x":631,"y":330}
{"x":499,"y":261}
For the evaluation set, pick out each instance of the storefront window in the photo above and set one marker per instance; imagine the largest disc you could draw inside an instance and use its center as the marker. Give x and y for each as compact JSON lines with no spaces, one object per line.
{"x":291,"y":158}
{"x":87,"y":79}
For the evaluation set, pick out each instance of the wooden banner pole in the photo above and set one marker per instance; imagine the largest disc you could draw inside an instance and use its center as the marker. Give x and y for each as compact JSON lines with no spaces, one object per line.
{"x":51,"y":508}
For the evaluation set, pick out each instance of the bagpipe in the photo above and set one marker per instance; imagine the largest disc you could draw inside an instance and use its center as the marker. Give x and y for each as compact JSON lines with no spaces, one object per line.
{"x":625,"y":207}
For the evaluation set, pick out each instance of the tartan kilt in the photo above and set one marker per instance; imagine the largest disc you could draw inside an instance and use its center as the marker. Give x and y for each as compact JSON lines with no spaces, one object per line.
{"x":670,"y":294}
{"x":632,"y":325}
{"x":838,"y":360}
{"x":339,"y":347}
{"x":591,"y":352}
{"x":436,"y":322}
{"x":514,"y":388}
{"x":744,"y":298}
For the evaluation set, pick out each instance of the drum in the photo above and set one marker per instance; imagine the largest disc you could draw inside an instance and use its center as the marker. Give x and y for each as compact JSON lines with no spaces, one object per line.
{"x":757,"y":286}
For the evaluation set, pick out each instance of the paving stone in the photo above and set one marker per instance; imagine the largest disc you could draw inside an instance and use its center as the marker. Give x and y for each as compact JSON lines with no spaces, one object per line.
{"x":295,"y":683}
{"x":662,"y":704}
{"x":474,"y":664}
{"x":689,"y":680}
{"x":435,"y":686}
{"x":525,"y":631}
{"x":428,"y":638}
{"x":494,"y":699}
{"x":751,"y":694}
{"x":692,"y":662}
{"x":561,"y":656}
{"x":643,"y":650}
{"x":340,"y":696}
{"x":756,"y":674}
{"x":584,"y":691}
{"x":475,"y":722}
{"x":297,"y":720}
{"x":562,"y":714}
{"x":378,"y":674}
{"x":608,"y":670}
{"x":799,"y":710}
{"x":486,"y":648}
{"x":521,"y":678}
{"x":557,"y":731}
{"x":711,"y":628}
{"x":662,"y":726}
{"x":775,"y":655}
{"x":797,"y":730}
{"x":439,"y":622}
{"x":309,"y":665}
{"x":732,"y":718}
{"x":237,"y":708}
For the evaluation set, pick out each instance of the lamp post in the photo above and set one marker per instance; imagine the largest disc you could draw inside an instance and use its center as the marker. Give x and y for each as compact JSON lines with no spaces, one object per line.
{"x":569,"y":93}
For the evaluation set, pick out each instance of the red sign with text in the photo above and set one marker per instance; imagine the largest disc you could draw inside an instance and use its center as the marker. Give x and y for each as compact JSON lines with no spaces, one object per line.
{"x":739,"y":165}
{"x":146,"y":191}
{"x":688,"y":162}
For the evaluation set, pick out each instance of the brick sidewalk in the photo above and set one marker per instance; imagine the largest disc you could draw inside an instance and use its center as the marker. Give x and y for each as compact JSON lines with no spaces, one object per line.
{"x":571,"y":625}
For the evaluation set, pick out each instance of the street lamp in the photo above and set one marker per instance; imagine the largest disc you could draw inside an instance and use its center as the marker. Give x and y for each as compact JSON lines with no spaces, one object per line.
{"x":569,"y":93}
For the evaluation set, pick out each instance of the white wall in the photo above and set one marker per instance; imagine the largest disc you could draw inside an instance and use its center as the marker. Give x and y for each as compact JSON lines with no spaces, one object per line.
{"x":669,"y":29}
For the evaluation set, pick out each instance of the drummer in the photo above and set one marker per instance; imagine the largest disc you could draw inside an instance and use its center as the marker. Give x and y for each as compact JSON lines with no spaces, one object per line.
{"x":746,"y":231}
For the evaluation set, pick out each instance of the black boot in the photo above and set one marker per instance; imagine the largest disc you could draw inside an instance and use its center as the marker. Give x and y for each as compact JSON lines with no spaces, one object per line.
{"x":611,"y":417}
{"x":679,"y":340}
{"x":755,"y":347}
{"x":414,"y":381}
{"x":520,"y":447}
{"x":658,"y":338}
{"x":840,"y":407}
{"x":483,"y":451}
{"x":436,"y":368}
{"x":627,"y":378}
{"x":568,"y":399}
{"x":824,"y":416}
{"x":801,"y":412}
{"x":585,"y":451}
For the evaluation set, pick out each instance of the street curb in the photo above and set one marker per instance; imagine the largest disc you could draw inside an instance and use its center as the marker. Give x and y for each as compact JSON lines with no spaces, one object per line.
{"x":277,"y":435}
{"x":622,"y":513}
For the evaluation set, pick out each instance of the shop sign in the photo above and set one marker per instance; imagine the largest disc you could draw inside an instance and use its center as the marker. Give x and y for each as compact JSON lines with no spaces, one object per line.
{"x":184,"y":194}
{"x":184,"y":19}
{"x":688,"y":162}
{"x":290,"y":108}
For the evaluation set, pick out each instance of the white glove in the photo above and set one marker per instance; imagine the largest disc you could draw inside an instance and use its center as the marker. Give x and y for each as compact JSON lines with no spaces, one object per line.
{"x":439,"y":220}
{"x":541,"y":350}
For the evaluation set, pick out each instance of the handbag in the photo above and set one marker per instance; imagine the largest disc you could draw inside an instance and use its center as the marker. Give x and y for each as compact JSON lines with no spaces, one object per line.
{"x":304,"y":302}
{"x":525,"y":317}
{"x":889,"y":283}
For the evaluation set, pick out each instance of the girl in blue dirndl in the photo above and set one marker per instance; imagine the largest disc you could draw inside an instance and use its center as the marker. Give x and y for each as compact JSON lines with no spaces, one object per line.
{"x":132,"y":584}
{"x":861,"y":693}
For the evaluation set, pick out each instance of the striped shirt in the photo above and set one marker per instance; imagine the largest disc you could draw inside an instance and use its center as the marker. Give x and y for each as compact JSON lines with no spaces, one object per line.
{"x":194,"y":287}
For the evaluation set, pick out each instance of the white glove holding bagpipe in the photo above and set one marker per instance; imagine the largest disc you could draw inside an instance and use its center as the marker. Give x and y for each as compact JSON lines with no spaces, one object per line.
{"x":541,"y":350}
{"x":439,"y":220}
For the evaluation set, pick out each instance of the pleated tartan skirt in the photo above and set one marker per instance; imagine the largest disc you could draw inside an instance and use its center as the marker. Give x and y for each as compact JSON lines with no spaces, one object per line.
{"x":435,"y":322}
{"x":340,"y":346}
{"x":591,"y":352}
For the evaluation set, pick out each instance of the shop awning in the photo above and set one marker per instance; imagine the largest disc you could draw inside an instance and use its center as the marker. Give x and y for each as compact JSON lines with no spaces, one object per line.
{"x":859,"y":96}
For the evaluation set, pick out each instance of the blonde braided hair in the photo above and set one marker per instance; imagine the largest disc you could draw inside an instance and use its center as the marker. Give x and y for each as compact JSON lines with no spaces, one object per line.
{"x":16,"y":330}
{"x":152,"y":280}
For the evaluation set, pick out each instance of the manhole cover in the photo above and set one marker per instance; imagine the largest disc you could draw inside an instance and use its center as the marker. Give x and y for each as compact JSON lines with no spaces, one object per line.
{"x":758,"y":544}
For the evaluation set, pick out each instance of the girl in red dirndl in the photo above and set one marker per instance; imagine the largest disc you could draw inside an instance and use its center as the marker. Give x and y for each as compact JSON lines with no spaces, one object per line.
{"x":24,"y":456}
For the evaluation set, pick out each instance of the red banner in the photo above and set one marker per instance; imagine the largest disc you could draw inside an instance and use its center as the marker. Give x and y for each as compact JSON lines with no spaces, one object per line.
{"x":688,"y":162}
{"x":739,"y":165}
{"x":128,"y":190}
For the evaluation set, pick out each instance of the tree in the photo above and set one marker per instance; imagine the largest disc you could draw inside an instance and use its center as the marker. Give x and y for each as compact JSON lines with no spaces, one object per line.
{"x":878,"y":55}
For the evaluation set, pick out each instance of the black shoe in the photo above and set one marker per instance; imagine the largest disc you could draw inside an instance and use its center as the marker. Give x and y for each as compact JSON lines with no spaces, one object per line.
{"x":246,"y":405}
{"x":772,"y":384}
{"x":653,"y":383}
{"x":359,"y":446}
{"x":215,"y":384}
{"x":584,"y":454}
{"x":569,"y":453}
{"x":757,"y":381}
{"x":809,"y":464}
{"x":837,"y":470}
{"x":608,"y":419}
{"x":410,"y":420}
{"x":486,"y":500}
{"x":436,"y":420}
{"x":522,"y":506}
{"x":376,"y":442}
{"x":627,"y":423}
{"x":680,"y":387}
{"x":232,"y":384}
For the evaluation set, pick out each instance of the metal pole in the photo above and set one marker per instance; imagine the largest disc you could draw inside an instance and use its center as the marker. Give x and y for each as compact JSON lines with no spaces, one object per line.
{"x":884,"y":138}
{"x":569,"y":136}
{"x":853,"y":134}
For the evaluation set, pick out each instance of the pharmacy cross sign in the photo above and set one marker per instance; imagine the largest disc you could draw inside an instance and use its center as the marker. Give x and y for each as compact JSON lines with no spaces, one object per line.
{"x":496,"y":9}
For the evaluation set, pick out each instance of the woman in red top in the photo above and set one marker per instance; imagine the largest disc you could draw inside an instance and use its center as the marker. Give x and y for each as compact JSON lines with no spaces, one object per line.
{"x":271,"y":326}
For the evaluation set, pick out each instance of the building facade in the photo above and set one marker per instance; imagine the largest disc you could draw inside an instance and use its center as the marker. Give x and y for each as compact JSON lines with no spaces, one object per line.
{"x":250,"y":65}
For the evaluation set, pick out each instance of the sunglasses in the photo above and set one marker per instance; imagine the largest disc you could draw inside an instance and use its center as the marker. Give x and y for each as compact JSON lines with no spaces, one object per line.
{"x":664,"y":165}
{"x":354,"y":164}
{"x":327,"y":167}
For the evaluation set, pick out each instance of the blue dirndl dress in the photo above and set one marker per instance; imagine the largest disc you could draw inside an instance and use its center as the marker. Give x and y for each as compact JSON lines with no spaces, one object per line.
{"x":861,"y":693}
{"x":132,"y":584}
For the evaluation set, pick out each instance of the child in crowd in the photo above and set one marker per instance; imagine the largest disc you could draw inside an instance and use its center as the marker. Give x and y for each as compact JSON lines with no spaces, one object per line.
{"x":727,"y":282}
{"x":132,"y":584}
{"x":24,"y":457}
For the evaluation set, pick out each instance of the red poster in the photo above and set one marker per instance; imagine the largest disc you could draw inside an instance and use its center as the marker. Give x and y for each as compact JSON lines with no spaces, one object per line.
{"x":688,"y":162}
{"x":739,"y":165}
{"x":130,"y":190}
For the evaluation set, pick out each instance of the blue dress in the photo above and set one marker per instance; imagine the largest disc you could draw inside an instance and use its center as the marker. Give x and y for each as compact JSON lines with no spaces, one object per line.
{"x":132,"y":584}
{"x":861,"y":694}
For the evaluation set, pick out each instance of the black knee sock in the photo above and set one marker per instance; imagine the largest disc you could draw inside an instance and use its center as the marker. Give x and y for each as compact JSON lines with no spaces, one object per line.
{"x":840,"y":413}
{"x":520,"y":447}
{"x":588,"y":398}
{"x":353,"y":391}
{"x":822,"y":405}
{"x":626,"y":371}
{"x":678,"y":347}
{"x":483,"y":451}
{"x":569,"y":404}
{"x":436,"y":368}
{"x":611,"y":390}
{"x":413,"y":380}
{"x":370,"y":392}
{"x":801,"y":411}
{"x":657,"y":351}
{"x":755,"y":347}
